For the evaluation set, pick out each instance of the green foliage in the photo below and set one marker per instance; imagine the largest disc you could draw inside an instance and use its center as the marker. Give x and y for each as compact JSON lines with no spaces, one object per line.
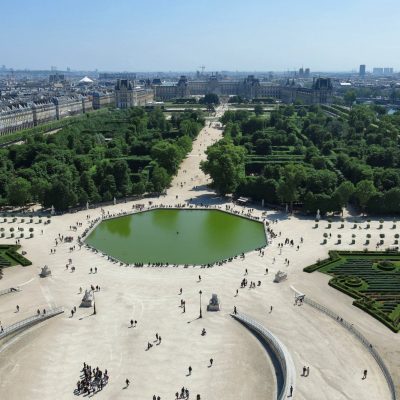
{"x":371,"y":278}
{"x":19,"y":192}
{"x":225,"y":165}
{"x":105,"y":155}
{"x":363,"y":192}
{"x":210,"y":98}
{"x":348,"y":156}
{"x":258,"y":110}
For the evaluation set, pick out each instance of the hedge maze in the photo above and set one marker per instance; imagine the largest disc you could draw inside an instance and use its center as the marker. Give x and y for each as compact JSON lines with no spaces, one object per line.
{"x":371,"y":278}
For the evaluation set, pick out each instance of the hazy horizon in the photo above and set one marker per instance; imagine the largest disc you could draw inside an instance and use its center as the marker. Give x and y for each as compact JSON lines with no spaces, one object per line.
{"x":178,"y":35}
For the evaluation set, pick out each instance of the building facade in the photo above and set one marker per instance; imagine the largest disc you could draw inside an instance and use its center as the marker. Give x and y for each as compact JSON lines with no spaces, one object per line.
{"x":101,"y":100}
{"x":126,"y":95}
{"x":249,"y":88}
{"x":15,"y":117}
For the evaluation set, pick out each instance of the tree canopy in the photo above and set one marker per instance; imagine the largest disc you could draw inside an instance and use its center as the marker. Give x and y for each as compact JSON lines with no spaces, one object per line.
{"x":319,"y":157}
{"x":116,"y":153}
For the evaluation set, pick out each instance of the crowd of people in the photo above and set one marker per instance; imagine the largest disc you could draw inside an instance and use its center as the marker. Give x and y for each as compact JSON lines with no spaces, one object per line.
{"x":91,"y":380}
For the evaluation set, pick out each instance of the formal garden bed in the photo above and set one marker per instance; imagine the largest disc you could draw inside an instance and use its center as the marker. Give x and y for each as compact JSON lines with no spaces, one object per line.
{"x":371,"y":278}
{"x":9,"y":256}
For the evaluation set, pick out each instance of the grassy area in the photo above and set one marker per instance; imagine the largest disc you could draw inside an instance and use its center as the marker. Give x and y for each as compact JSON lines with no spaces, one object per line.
{"x":371,"y":278}
{"x":10,"y":257}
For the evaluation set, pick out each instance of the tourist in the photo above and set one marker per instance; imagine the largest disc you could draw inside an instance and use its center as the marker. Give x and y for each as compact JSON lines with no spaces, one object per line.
{"x":291,"y":391}
{"x":131,"y":323}
{"x":190,"y":370}
{"x":17,"y":308}
{"x":127,"y":382}
{"x":211,"y":362}
{"x":365,"y":374}
{"x":203,"y":332}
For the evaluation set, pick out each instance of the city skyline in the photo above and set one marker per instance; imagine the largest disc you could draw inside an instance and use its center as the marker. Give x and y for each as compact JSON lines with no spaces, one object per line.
{"x":183,"y":36}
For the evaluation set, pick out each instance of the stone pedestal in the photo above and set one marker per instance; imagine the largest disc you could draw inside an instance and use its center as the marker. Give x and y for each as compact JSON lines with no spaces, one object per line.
{"x":45,"y":272}
{"x":87,"y":300}
{"x":280,"y":276}
{"x":213,"y":304}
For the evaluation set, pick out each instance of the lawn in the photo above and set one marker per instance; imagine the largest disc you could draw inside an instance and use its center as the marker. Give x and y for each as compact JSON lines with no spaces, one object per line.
{"x":371,"y":278}
{"x":10,"y":257}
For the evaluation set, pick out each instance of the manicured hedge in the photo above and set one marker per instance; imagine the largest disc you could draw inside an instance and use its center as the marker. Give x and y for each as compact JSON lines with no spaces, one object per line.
{"x":376,"y":314}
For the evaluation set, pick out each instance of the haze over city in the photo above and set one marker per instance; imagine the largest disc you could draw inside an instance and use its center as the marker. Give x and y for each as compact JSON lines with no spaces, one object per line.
{"x":177,"y":35}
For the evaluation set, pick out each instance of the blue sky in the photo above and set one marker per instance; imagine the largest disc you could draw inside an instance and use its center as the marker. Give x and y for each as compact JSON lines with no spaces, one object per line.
{"x":178,"y":35}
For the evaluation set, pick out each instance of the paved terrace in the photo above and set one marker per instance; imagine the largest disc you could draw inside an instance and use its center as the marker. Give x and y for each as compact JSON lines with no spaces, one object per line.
{"x":50,"y":355}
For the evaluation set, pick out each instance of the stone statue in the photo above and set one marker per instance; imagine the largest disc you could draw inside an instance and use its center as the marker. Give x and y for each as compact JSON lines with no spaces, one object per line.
{"x":213,"y":304}
{"x":318,"y":217}
{"x":52,"y":210}
{"x":115,"y":201}
{"x":87,"y":300}
{"x":280,"y":276}
{"x":45,"y":272}
{"x":87,"y":205}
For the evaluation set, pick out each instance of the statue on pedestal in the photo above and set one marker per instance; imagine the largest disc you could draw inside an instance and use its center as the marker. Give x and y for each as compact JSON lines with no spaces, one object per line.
{"x":45,"y":272}
{"x":87,"y":300}
{"x":280,"y":276}
{"x":213,"y":304}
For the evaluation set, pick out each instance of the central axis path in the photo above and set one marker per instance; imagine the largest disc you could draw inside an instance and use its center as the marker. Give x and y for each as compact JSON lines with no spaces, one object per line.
{"x":191,"y":182}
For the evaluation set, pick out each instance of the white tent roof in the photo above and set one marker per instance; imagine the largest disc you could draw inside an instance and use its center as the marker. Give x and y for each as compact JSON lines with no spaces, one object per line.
{"x":86,"y":79}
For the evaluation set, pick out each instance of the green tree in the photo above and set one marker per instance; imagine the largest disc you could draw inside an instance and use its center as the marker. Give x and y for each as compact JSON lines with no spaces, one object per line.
{"x":292,"y":178}
{"x":60,"y":195}
{"x":160,"y":179}
{"x":258,"y":110}
{"x":363,"y":192}
{"x":210,"y":98}
{"x":19,"y":192}
{"x":343,"y":192}
{"x":225,"y":165}
{"x":167,"y":155}
{"x":350,"y":97}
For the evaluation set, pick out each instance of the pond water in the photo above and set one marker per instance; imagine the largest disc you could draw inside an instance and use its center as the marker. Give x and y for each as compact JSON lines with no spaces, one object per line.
{"x":177,"y":236}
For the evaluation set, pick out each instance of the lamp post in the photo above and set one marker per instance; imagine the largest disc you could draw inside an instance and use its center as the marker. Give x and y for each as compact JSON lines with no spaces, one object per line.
{"x":201,"y":314}
{"x":94,"y":304}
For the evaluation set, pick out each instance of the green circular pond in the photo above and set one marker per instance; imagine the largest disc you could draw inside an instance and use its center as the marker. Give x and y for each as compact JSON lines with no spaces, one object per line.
{"x":177,"y":236}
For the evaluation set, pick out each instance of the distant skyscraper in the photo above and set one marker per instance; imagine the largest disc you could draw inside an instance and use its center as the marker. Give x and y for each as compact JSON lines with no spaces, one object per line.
{"x":307,"y":73}
{"x":387,"y":71}
{"x":362,"y":71}
{"x":377,"y":71}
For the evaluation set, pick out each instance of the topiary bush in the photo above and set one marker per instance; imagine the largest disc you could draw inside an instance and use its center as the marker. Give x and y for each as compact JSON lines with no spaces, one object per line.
{"x":386,"y":266}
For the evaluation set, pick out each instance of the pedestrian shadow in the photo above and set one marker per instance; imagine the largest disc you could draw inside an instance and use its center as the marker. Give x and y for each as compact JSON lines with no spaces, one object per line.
{"x":189,"y":322}
{"x":86,"y":316}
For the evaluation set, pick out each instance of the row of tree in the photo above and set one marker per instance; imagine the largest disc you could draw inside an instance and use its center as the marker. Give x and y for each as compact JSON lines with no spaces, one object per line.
{"x":303,"y":156}
{"x":115,"y":154}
